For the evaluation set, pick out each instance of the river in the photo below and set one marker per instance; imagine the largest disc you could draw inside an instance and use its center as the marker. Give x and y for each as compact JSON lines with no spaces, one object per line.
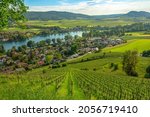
{"x":8,"y":45}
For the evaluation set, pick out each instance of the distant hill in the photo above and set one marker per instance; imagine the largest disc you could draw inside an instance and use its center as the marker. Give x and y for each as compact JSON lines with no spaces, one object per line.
{"x":57,"y":15}
{"x":54,"y":15}
{"x":138,"y":14}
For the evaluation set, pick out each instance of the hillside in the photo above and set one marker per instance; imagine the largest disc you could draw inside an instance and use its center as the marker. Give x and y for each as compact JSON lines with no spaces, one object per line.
{"x":57,"y":15}
{"x":140,"y":45}
{"x":54,"y":15}
{"x":138,"y":14}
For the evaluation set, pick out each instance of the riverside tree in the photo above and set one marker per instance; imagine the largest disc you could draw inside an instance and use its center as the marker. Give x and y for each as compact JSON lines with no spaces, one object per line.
{"x":130,"y":60}
{"x":11,"y":11}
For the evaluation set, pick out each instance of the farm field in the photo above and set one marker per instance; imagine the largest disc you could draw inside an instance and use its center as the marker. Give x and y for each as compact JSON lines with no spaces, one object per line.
{"x":74,"y":23}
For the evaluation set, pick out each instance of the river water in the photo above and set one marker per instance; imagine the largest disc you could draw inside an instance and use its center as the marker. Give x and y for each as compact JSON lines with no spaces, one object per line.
{"x":8,"y":45}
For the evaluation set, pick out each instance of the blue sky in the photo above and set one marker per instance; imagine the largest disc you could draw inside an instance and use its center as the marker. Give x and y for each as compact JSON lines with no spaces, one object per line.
{"x":90,"y":7}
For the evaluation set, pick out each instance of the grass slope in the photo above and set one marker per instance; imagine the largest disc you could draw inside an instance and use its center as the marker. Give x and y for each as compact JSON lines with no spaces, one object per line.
{"x":140,"y":45}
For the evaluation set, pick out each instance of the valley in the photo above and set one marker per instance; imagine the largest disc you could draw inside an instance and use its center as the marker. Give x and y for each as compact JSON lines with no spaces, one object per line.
{"x":76,"y":59}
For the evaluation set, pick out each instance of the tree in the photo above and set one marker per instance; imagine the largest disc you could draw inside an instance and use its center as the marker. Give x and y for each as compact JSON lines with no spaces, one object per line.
{"x":147,"y":75}
{"x":2,"y":49}
{"x":48,"y":41}
{"x":74,"y":48}
{"x":11,"y":11}
{"x":49,"y":58}
{"x":30,"y":44}
{"x":68,"y":37}
{"x":54,"y":41}
{"x":130,"y":59}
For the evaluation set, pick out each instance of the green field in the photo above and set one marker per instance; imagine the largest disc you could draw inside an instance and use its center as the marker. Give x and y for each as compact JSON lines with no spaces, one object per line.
{"x":140,"y":45}
{"x":72,"y":24}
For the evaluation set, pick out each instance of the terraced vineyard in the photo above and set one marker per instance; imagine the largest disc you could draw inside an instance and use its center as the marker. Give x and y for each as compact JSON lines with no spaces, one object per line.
{"x":108,"y":87}
{"x":73,"y":84}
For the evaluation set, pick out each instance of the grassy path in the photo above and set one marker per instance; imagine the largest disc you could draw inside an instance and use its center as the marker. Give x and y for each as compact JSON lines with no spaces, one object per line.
{"x":69,"y":89}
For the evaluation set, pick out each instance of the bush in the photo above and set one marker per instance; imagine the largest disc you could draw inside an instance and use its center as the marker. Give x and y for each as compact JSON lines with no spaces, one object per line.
{"x":148,"y":69}
{"x":94,"y":69}
{"x":64,"y":65}
{"x":147,"y":75}
{"x":56,"y":66}
{"x":146,"y":53}
{"x":115,"y":67}
{"x":134,"y":73}
{"x":111,"y":65}
{"x":86,"y":69}
{"x":44,"y":71}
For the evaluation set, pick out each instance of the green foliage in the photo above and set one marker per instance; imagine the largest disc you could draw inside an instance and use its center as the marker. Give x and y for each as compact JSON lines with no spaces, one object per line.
{"x":64,"y":65}
{"x":49,"y":59}
{"x":146,"y":53}
{"x":116,"y":67}
{"x":130,"y":60}
{"x":147,"y":75}
{"x":11,"y":11}
{"x":30,"y":44}
{"x":2,"y":49}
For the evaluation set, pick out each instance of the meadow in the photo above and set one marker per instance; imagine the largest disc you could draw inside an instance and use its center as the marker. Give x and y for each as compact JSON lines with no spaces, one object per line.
{"x":140,"y":45}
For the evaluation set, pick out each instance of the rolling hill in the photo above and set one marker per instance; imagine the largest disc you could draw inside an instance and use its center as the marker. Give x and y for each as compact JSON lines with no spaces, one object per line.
{"x":139,"y":44}
{"x":57,"y":15}
{"x":54,"y":15}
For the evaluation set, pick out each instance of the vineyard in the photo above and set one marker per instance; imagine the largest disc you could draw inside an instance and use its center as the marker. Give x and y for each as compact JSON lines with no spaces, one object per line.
{"x":73,"y":84}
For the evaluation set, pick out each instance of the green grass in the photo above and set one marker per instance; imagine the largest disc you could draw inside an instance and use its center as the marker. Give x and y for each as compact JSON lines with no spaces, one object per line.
{"x":136,"y":35}
{"x":21,"y":30}
{"x":140,"y":45}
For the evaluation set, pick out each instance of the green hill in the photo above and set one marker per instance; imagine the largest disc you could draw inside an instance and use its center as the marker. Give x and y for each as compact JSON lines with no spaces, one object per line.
{"x":59,"y":15}
{"x":140,"y":45}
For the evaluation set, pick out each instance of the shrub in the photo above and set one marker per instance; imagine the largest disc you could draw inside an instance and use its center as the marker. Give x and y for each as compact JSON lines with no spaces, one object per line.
{"x":44,"y":71}
{"x":86,"y":69}
{"x":94,"y":69}
{"x":148,"y":69}
{"x":147,"y":75}
{"x":134,"y":73}
{"x":111,"y":65}
{"x":115,"y":67}
{"x":64,"y":65}
{"x":56,"y":66}
{"x":146,"y":53}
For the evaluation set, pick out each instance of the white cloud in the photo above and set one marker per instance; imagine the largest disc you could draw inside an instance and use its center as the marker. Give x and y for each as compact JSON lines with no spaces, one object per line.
{"x":97,"y":7}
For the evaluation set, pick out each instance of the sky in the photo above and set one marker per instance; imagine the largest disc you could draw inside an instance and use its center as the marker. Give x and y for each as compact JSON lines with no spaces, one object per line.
{"x":89,"y":7}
